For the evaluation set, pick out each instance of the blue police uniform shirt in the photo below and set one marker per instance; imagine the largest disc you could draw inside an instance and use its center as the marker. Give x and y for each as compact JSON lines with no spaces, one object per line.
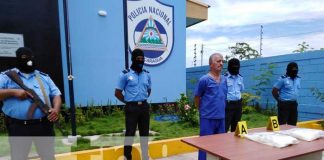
{"x":288,"y":88}
{"x":235,"y":86}
{"x":135,"y":85}
{"x":16,"y":108}
{"x":212,"y":97}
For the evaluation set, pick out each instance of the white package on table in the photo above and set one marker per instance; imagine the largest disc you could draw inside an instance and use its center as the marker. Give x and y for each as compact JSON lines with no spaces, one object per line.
{"x":305,"y":134}
{"x":272,"y":139}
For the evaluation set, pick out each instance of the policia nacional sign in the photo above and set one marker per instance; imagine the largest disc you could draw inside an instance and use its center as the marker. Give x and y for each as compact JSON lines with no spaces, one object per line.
{"x":150,"y":28}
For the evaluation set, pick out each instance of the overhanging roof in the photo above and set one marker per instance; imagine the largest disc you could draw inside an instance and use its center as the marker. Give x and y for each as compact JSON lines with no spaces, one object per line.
{"x":196,"y":12}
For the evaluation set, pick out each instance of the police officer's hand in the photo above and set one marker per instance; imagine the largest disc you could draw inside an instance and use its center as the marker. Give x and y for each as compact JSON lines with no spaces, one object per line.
{"x":54,"y":115}
{"x":21,"y":94}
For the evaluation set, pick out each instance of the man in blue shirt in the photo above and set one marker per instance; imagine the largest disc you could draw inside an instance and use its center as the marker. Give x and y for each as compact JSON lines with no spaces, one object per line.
{"x":136,"y":84}
{"x":285,"y":91}
{"x":210,"y":97}
{"x":16,"y":103}
{"x":233,"y":110}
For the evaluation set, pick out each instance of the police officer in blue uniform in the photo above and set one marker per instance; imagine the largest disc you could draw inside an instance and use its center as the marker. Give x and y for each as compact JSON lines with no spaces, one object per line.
{"x":16,"y":102}
{"x":233,"y":110}
{"x":136,"y":84}
{"x":285,"y":91}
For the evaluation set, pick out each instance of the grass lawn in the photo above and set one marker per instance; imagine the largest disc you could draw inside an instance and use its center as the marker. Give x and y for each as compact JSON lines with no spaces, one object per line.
{"x":115,"y":122}
{"x":255,"y":120}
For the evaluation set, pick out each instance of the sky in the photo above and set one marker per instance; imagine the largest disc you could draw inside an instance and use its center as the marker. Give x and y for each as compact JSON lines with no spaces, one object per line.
{"x":286,"y":23}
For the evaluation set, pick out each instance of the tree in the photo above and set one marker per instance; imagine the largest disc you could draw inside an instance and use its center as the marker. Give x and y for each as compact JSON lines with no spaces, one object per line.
{"x":263,"y":79}
{"x":262,"y":85}
{"x":244,"y":51}
{"x":227,"y":58}
{"x":318,"y":94}
{"x":303,"y":47}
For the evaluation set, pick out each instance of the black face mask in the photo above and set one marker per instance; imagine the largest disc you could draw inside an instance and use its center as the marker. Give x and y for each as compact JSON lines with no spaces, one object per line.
{"x":137,"y":60}
{"x":25,"y":64}
{"x":137,"y":65}
{"x":233,"y":66}
{"x":234,"y":70}
{"x":292,"y":70}
{"x":292,"y":73}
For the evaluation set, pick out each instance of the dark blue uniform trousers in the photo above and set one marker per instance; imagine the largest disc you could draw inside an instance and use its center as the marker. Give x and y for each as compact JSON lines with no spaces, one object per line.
{"x":209,"y":127}
{"x":23,"y":133}
{"x":233,"y":114}
{"x":136,"y":115}
{"x":287,"y":112}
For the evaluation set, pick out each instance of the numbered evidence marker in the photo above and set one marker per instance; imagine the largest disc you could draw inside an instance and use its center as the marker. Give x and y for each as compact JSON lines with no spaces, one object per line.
{"x":273,"y":124}
{"x":241,"y":128}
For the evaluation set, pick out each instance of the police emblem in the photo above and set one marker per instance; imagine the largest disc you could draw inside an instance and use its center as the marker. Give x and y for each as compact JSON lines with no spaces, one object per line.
{"x":150,"y":28}
{"x":130,"y":78}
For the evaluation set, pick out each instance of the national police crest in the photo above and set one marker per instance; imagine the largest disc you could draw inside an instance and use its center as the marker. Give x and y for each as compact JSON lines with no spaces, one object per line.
{"x":150,"y":28}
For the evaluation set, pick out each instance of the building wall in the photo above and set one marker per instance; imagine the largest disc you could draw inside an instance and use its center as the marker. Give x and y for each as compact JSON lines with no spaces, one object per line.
{"x":97,"y":48}
{"x":311,"y":70}
{"x":38,"y":24}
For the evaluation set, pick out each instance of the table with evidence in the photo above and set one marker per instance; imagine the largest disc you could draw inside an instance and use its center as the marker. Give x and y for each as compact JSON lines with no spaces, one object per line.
{"x":228,"y":146}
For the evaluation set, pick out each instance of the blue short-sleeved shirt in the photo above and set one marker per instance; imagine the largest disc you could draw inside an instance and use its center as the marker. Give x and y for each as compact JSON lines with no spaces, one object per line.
{"x":212,"y":97}
{"x":235,"y":86}
{"x":288,"y":88}
{"x":134,"y":85}
{"x":17,"y":108}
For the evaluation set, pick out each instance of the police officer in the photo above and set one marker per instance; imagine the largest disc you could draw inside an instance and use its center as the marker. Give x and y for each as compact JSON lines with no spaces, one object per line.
{"x":16,"y":102}
{"x":136,"y":84}
{"x":233,"y":110}
{"x":285,"y":91}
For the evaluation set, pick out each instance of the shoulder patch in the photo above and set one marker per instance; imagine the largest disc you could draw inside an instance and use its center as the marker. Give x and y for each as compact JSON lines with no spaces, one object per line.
{"x":126,"y":71}
{"x":284,"y":76}
{"x":146,"y":71}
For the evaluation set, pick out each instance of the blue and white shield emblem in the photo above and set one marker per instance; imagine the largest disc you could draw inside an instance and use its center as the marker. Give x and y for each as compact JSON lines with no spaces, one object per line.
{"x":150,"y":28}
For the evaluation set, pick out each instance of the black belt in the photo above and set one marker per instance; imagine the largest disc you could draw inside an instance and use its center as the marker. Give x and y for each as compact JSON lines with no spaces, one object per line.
{"x":26,"y":122}
{"x":289,"y":101}
{"x":234,"y":102}
{"x":139,"y":103}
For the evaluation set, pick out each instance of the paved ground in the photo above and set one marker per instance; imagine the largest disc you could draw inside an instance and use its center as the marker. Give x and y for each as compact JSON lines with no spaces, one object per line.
{"x":187,"y":156}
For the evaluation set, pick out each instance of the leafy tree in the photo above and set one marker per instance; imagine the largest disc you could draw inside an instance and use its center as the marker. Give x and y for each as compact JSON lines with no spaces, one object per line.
{"x":303,"y":47}
{"x":318,"y":94}
{"x":226,"y":58}
{"x":263,"y":80}
{"x":262,"y":84}
{"x":244,"y":51}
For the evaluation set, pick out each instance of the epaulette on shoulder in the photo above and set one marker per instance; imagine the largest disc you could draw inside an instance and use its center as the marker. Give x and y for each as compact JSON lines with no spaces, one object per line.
{"x":42,"y":73}
{"x":225,"y":74}
{"x":126,"y":71}
{"x":240,"y":75}
{"x":4,"y":72}
{"x":146,"y":71}
{"x":284,"y":76}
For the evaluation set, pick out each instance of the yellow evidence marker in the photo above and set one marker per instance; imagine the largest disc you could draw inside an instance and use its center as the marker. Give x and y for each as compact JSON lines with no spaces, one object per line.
{"x":273,"y":124}
{"x":241,"y":128}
